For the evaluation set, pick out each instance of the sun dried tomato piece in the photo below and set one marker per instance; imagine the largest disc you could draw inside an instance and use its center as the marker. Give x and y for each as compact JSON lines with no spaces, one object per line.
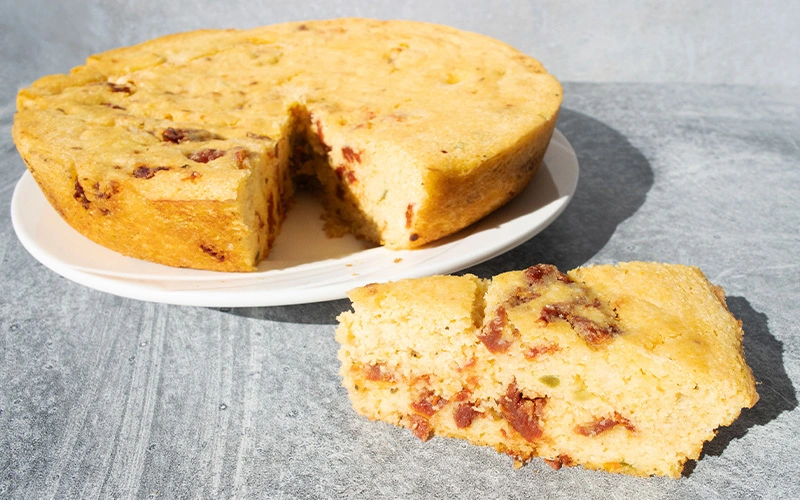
{"x":428,"y":403}
{"x":464,"y":415}
{"x":378,"y":373}
{"x":193,"y":176}
{"x":591,"y":331}
{"x":112,"y":106}
{"x":492,"y":333}
{"x":112,"y":188}
{"x":145,"y":172}
{"x":80,"y":195}
{"x":537,"y":351}
{"x":118,"y":88}
{"x":409,"y":215}
{"x":206,"y":155}
{"x":524,"y":414}
{"x":551,"y":312}
{"x":462,"y":395}
{"x":600,"y":425}
{"x":521,"y":296}
{"x":241,"y":155}
{"x":350,"y":155}
{"x":179,"y":135}
{"x":560,"y":460}
{"x":219,"y":256}
{"x":420,"y":427}
{"x":539,"y":272}
{"x":342,"y":173}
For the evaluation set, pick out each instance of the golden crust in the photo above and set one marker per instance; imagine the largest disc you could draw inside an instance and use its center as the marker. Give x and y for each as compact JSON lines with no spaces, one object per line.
{"x":422,"y":129}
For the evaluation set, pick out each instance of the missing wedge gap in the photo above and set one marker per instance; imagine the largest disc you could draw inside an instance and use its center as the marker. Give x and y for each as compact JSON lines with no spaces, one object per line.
{"x":304,"y":162}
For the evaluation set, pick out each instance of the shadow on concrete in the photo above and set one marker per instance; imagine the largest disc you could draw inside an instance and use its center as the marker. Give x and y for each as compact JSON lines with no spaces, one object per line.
{"x":320,"y":313}
{"x":764,"y":354}
{"x":613,"y":183}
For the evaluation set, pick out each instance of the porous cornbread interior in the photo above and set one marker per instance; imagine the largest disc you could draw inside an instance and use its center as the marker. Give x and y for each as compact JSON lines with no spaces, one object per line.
{"x":182,"y":150}
{"x":626,"y":368}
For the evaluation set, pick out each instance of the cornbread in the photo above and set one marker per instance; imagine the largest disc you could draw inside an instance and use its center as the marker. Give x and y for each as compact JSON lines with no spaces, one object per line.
{"x":626,"y":368}
{"x":186,"y":150}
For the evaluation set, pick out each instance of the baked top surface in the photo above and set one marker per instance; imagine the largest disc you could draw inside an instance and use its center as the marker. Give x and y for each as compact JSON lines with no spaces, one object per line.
{"x":406,"y":89}
{"x":666,"y":319}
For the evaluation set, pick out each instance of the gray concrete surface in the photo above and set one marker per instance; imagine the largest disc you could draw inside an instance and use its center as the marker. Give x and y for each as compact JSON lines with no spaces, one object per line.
{"x":712,"y":41}
{"x":104,"y":397}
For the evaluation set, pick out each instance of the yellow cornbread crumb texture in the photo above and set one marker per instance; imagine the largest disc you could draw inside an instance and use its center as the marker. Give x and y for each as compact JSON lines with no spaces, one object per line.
{"x":626,"y":368}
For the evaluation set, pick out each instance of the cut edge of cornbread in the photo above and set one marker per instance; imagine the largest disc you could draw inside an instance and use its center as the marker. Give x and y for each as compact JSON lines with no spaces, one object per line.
{"x":628,"y":368}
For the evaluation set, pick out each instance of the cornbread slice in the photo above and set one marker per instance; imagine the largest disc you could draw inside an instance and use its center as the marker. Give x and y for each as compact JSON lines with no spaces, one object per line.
{"x":626,"y":368}
{"x":185,"y":150}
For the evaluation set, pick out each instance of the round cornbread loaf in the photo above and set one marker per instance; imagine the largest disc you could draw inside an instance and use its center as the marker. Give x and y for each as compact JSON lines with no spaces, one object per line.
{"x":185,"y":150}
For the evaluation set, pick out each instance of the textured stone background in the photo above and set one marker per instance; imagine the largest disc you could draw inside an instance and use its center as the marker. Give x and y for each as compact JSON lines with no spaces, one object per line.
{"x":717,"y":41}
{"x":685,"y":119}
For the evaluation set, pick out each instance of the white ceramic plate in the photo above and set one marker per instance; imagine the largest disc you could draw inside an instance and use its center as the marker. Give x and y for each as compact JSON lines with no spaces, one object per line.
{"x":305,"y":265}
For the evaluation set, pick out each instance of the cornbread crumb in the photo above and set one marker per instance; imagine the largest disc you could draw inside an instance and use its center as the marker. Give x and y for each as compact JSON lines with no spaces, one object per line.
{"x":626,"y":368}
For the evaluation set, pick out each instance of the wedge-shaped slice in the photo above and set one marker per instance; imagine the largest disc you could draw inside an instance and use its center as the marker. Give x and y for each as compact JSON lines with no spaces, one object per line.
{"x":627,"y":368}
